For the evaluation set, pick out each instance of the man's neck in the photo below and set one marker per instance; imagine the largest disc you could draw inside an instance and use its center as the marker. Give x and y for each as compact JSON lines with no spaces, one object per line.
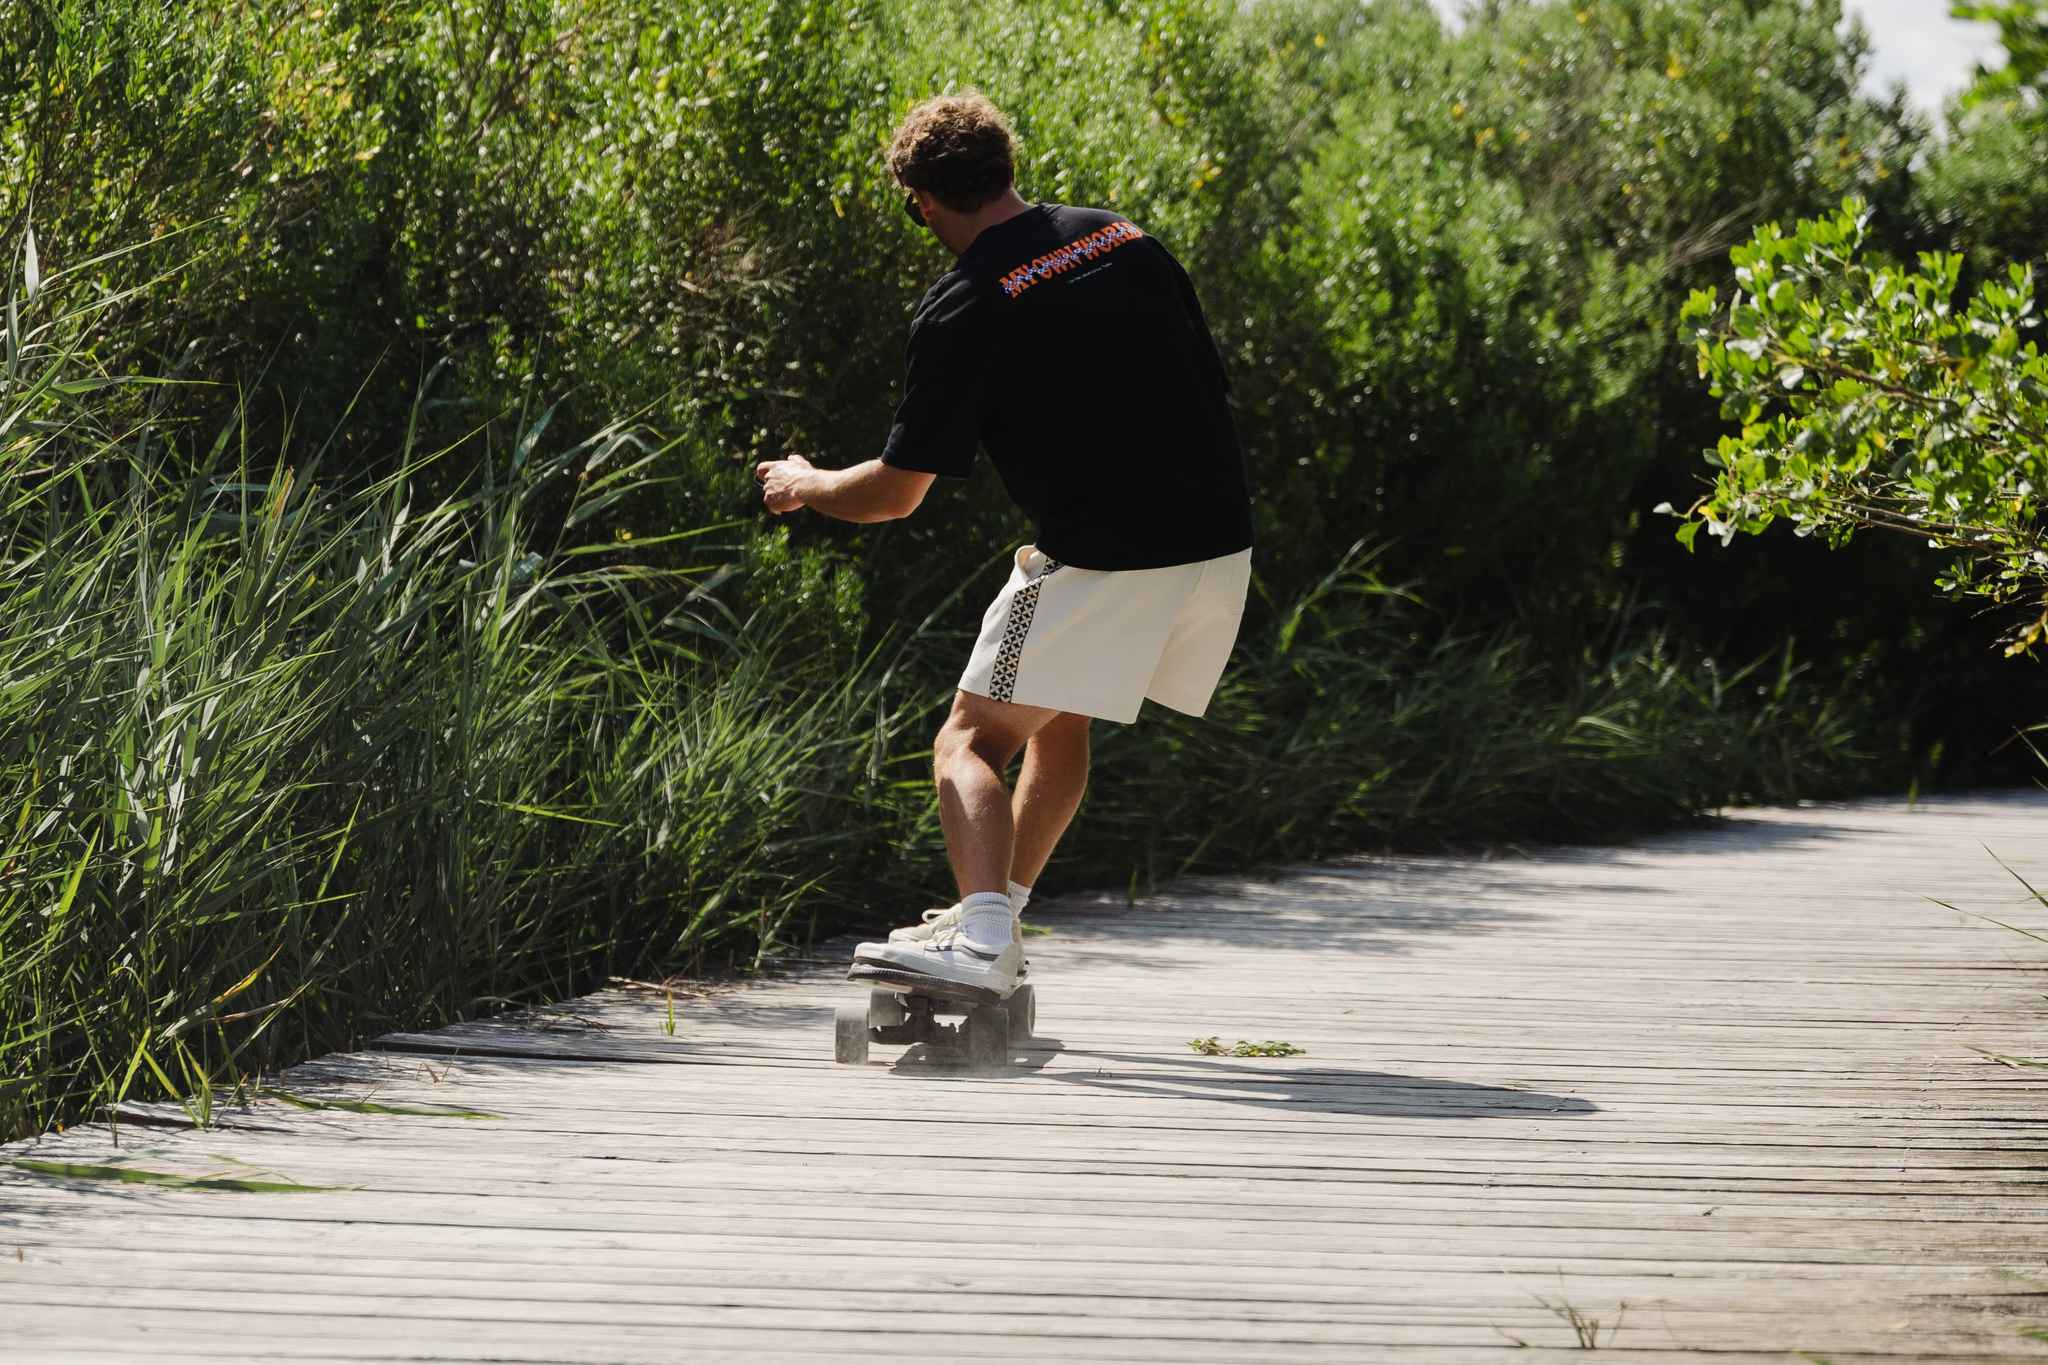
{"x":958,"y":232}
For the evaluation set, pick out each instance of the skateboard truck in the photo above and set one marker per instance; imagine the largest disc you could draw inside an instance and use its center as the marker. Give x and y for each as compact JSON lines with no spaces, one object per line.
{"x":903,"y":1008}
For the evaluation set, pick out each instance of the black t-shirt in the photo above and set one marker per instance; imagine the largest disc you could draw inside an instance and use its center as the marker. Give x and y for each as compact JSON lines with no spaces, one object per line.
{"x":1070,"y":344}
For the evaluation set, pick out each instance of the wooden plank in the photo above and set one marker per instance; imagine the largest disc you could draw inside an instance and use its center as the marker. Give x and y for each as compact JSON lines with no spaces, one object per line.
{"x":931,"y":1331}
{"x":1724,"y":1077}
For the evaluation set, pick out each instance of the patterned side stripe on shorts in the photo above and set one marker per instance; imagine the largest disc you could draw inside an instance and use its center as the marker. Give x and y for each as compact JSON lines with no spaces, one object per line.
{"x":1003,"y":676}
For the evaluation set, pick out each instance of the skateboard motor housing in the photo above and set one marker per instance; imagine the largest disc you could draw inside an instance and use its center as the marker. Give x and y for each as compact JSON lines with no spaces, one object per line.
{"x":903,"y":1009}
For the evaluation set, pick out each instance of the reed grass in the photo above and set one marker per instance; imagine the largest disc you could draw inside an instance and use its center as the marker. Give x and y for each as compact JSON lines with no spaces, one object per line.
{"x":286,"y":760}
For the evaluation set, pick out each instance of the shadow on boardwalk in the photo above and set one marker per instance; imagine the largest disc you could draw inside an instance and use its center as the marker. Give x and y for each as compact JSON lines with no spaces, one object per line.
{"x":1376,"y":1093}
{"x":1321,"y":1090}
{"x":1392,"y":904}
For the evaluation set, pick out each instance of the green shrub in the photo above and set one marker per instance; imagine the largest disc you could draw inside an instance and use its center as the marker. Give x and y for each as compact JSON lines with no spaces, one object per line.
{"x":1870,"y":396}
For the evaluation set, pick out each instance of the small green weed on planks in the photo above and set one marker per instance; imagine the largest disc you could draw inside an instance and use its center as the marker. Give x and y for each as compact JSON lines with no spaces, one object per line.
{"x":1213,"y":1047}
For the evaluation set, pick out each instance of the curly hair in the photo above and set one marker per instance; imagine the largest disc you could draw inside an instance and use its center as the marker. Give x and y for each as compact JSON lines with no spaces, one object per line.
{"x":957,"y":147}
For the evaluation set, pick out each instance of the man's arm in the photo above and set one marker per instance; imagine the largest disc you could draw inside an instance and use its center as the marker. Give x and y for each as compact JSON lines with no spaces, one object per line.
{"x":870,"y":491}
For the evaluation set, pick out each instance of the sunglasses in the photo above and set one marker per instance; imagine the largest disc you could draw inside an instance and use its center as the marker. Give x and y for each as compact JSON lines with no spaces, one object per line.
{"x":913,"y":212}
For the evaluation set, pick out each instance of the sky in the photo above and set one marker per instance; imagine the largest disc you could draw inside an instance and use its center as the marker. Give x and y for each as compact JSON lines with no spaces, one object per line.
{"x":1916,"y":42}
{"x":1913,"y":41}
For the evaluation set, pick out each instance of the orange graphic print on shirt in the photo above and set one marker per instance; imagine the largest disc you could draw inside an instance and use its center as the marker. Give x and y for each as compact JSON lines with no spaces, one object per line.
{"x":1074,"y":254}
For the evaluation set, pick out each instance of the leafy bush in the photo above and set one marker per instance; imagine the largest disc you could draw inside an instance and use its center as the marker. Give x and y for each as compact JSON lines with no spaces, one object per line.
{"x":684,"y":217}
{"x":1866,"y":396}
{"x":1442,"y":299}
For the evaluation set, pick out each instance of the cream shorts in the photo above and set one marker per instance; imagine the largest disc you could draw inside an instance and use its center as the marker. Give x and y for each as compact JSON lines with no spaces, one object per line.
{"x":1097,"y":643}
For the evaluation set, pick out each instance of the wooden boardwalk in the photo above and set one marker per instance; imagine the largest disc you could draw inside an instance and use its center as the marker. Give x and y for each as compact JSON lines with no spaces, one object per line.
{"x":1729,"y":1079}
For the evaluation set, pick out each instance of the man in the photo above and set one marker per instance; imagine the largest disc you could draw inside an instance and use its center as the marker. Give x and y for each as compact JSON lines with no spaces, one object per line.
{"x":1068,"y":344}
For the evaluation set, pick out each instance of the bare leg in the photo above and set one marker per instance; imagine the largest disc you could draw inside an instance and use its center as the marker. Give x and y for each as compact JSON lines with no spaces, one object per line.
{"x":1049,"y":791}
{"x":977,"y":742}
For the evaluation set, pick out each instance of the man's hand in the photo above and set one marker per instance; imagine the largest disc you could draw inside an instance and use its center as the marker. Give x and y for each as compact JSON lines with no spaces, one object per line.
{"x":870,"y":491}
{"x":780,"y":480}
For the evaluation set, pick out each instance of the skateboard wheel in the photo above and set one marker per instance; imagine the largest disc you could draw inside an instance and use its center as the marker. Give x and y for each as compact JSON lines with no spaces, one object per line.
{"x":1023,"y":1008}
{"x":885,"y":1009}
{"x":988,"y":1035}
{"x":850,"y":1034}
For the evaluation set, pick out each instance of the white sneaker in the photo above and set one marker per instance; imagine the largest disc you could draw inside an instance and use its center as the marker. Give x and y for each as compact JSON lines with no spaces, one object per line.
{"x":949,"y":955}
{"x":935,"y":920}
{"x":940,"y":918}
{"x":943,"y":917}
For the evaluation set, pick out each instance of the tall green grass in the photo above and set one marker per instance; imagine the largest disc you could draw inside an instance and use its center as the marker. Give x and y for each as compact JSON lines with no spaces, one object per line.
{"x":291,"y":755}
{"x":285,"y":759}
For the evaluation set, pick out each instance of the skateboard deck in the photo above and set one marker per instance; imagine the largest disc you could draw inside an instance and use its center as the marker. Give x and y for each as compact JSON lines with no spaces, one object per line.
{"x":917,"y":983}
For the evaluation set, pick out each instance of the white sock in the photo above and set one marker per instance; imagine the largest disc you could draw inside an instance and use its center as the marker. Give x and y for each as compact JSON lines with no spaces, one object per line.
{"x":985,"y":919}
{"x":1020,"y":896}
